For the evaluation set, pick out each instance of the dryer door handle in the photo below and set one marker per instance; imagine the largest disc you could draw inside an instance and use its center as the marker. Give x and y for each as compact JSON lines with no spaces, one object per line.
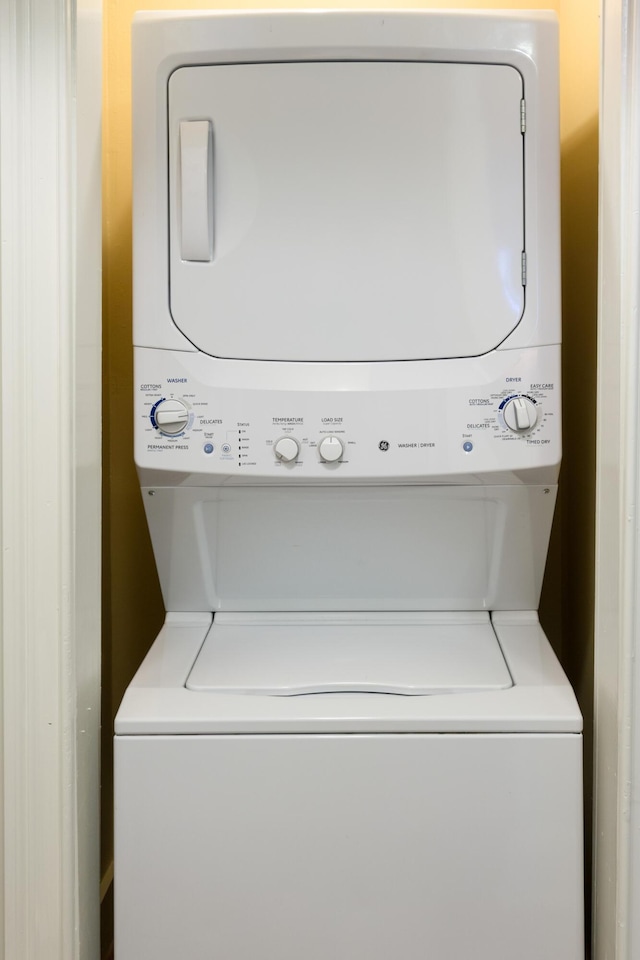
{"x":196,"y":190}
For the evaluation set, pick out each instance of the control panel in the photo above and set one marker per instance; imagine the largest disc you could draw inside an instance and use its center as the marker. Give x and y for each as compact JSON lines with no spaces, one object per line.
{"x":195,"y":414}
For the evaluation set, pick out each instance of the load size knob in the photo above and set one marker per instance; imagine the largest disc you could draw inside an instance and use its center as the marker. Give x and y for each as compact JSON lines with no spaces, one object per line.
{"x":520,"y":414}
{"x":331,"y":449}
{"x":170,"y":417}
{"x":286,"y":449}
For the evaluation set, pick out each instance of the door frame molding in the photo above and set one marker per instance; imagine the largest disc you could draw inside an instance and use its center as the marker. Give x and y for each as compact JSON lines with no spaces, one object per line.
{"x":49,"y":486}
{"x":616,"y":924}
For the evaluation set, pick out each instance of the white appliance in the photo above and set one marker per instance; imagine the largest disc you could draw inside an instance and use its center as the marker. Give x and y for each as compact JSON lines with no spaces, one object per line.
{"x":351,"y":739}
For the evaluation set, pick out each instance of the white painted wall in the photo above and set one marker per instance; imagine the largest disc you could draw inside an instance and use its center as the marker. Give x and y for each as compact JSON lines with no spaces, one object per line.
{"x":49,"y":477}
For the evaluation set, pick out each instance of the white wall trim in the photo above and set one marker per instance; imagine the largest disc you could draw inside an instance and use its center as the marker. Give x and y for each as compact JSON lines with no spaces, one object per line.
{"x":616,"y":920}
{"x":87,"y":178}
{"x":40,"y":910}
{"x":629,"y":665}
{"x":40,"y":475}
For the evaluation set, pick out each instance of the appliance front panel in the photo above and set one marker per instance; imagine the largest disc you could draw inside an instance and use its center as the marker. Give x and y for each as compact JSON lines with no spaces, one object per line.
{"x":351,"y":211}
{"x":243,"y":422}
{"x":349,"y":847}
{"x":350,"y":548}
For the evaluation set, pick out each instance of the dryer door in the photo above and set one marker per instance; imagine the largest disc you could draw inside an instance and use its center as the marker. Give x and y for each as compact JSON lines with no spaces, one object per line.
{"x":346,"y":210}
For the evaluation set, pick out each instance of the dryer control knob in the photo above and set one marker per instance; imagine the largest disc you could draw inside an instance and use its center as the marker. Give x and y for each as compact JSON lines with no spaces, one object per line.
{"x":170,"y":417}
{"x":331,"y":449}
{"x":520,"y":414}
{"x":287,"y":449}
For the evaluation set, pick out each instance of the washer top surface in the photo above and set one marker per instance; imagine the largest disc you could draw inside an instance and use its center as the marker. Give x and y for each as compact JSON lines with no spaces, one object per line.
{"x":159,"y":702}
{"x":359,"y":210}
{"x":288,"y":654}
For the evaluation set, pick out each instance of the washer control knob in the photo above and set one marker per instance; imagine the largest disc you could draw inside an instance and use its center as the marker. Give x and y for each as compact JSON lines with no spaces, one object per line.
{"x":287,"y":449}
{"x":331,"y":449}
{"x":171,"y":417}
{"x":520,"y":414}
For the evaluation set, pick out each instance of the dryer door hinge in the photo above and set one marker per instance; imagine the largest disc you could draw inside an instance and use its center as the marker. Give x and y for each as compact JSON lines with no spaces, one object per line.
{"x":524,"y":268}
{"x":523,"y":116}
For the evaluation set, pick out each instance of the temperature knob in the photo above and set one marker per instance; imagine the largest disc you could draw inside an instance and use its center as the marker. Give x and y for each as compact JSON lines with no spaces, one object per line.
{"x":170,"y":417}
{"x":287,"y":449}
{"x":520,"y":414}
{"x":331,"y":449}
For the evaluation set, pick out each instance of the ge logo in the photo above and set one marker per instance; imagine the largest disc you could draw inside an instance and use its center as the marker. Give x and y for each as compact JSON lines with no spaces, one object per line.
{"x":383,"y":445}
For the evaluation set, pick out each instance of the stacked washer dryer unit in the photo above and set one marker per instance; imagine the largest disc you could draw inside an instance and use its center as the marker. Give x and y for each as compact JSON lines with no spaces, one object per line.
{"x":351,"y":739}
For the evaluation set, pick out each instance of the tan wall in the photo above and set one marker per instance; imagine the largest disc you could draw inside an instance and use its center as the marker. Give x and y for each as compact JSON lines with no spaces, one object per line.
{"x":132,"y":602}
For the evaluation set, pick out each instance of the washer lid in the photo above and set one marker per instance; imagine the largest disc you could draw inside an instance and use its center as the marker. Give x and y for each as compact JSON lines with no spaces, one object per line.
{"x":402,"y":653}
{"x":352,"y":211}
